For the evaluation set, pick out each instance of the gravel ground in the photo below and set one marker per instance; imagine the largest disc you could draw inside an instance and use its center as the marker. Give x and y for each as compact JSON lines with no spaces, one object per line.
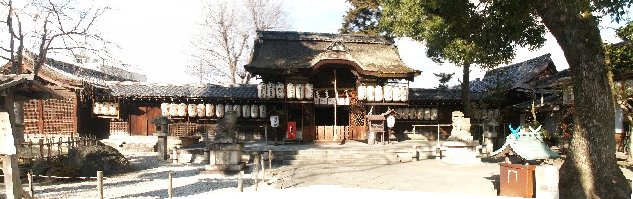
{"x":149,"y":180}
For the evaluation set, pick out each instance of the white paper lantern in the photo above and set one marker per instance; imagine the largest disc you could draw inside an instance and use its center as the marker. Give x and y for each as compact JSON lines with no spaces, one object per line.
{"x":254,"y":111}
{"x":270,"y":90}
{"x":219,"y":110}
{"x":427,"y":114}
{"x":309,"y":91}
{"x":182,"y":109}
{"x":361,"y":93}
{"x":387,"y":93}
{"x":404,"y":94}
{"x":113,"y":109}
{"x":280,"y":90}
{"x":164,"y":109}
{"x":246,"y":111}
{"x":395,"y":94}
{"x":201,"y":110}
{"x":412,"y":113}
{"x":370,"y":93}
{"x":209,"y":110}
{"x":290,"y":91}
{"x":378,"y":93}
{"x":237,"y":109}
{"x":96,"y":108}
{"x":173,"y":109}
{"x":405,"y":113}
{"x":191,"y":110}
{"x":299,"y":91}
{"x":419,"y":113}
{"x":104,"y":108}
{"x":262,"y":111}
{"x":261,"y":90}
{"x":434,"y":114}
{"x":227,"y":108}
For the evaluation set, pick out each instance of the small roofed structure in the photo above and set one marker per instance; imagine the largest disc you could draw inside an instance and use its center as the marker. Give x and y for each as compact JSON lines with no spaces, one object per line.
{"x":528,"y":146}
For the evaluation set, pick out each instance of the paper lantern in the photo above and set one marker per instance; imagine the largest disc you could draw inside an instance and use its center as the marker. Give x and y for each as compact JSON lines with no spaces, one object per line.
{"x":427,"y":114}
{"x":173,"y":109}
{"x":254,"y":111}
{"x":96,"y":108}
{"x":395,"y":94}
{"x":270,"y":90}
{"x":370,"y":93}
{"x":246,"y":111}
{"x":113,"y":109}
{"x":434,"y":114}
{"x":209,"y":110}
{"x":299,"y":91}
{"x":164,"y":109}
{"x":309,"y":91}
{"x":405,"y":113}
{"x":262,"y":111}
{"x":387,"y":93}
{"x":182,"y":109}
{"x":104,"y":108}
{"x":191,"y":110}
{"x":404,"y":93}
{"x":399,"y":111}
{"x":419,"y":113}
{"x":361,"y":93}
{"x":261,"y":90}
{"x":237,"y":109}
{"x":201,"y":110}
{"x":378,"y":93}
{"x":227,"y":108}
{"x":280,"y":90}
{"x":290,"y":91}
{"x":219,"y":110}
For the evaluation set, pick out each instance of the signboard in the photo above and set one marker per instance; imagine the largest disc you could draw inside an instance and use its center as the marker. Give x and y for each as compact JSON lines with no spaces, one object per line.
{"x":274,"y":121}
{"x":7,"y":145}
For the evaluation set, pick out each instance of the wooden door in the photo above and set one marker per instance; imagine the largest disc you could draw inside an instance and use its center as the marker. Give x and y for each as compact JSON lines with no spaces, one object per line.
{"x":140,"y":120}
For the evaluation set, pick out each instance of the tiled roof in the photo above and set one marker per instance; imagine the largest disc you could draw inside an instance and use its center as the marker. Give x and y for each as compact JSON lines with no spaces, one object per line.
{"x":74,"y":72}
{"x":528,"y":146}
{"x":300,"y":50}
{"x":558,"y":78}
{"x":515,"y":75}
{"x":134,"y":89}
{"x":423,"y":94}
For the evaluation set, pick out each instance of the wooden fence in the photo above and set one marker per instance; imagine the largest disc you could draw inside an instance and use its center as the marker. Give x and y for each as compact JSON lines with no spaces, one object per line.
{"x":35,"y":148}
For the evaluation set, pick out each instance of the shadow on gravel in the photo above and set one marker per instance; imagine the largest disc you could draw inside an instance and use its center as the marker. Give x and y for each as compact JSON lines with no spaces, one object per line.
{"x":86,"y":187}
{"x":494,"y":179}
{"x":202,"y":186}
{"x":165,"y":174}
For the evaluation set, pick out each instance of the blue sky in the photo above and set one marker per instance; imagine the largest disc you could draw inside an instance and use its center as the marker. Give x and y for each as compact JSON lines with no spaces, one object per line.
{"x":155,"y":37}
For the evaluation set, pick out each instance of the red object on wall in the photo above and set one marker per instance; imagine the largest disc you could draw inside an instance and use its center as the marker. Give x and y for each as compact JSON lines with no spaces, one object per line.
{"x":291,"y":132}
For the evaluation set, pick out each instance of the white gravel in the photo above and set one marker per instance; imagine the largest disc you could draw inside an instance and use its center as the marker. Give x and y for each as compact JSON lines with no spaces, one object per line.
{"x":150,"y":180}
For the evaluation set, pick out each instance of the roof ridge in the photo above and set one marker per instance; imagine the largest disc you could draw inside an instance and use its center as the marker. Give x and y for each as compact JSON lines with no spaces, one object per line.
{"x":327,"y":37}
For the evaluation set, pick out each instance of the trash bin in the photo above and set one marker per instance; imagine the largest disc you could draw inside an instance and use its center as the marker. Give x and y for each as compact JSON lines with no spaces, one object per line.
{"x":516,"y":180}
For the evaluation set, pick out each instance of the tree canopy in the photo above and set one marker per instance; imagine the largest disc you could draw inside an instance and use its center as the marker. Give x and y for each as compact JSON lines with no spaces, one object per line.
{"x":362,"y":17}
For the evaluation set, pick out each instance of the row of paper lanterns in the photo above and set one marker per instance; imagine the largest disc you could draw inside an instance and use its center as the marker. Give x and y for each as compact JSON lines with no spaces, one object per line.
{"x":280,"y":90}
{"x":379,"y":93}
{"x":105,"y":108}
{"x":417,"y":113}
{"x":486,"y":114}
{"x":211,"y":110}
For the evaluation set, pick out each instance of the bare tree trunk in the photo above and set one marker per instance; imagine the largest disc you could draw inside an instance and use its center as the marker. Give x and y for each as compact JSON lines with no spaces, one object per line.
{"x":590,"y":170}
{"x":466,"y":89}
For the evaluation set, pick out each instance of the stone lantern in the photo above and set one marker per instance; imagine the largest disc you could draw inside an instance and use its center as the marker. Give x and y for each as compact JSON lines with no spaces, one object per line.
{"x":162,"y":131}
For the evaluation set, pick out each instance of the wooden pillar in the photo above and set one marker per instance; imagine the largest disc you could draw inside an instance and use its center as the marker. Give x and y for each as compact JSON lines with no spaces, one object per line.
{"x":75,"y":118}
{"x":40,"y":116}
